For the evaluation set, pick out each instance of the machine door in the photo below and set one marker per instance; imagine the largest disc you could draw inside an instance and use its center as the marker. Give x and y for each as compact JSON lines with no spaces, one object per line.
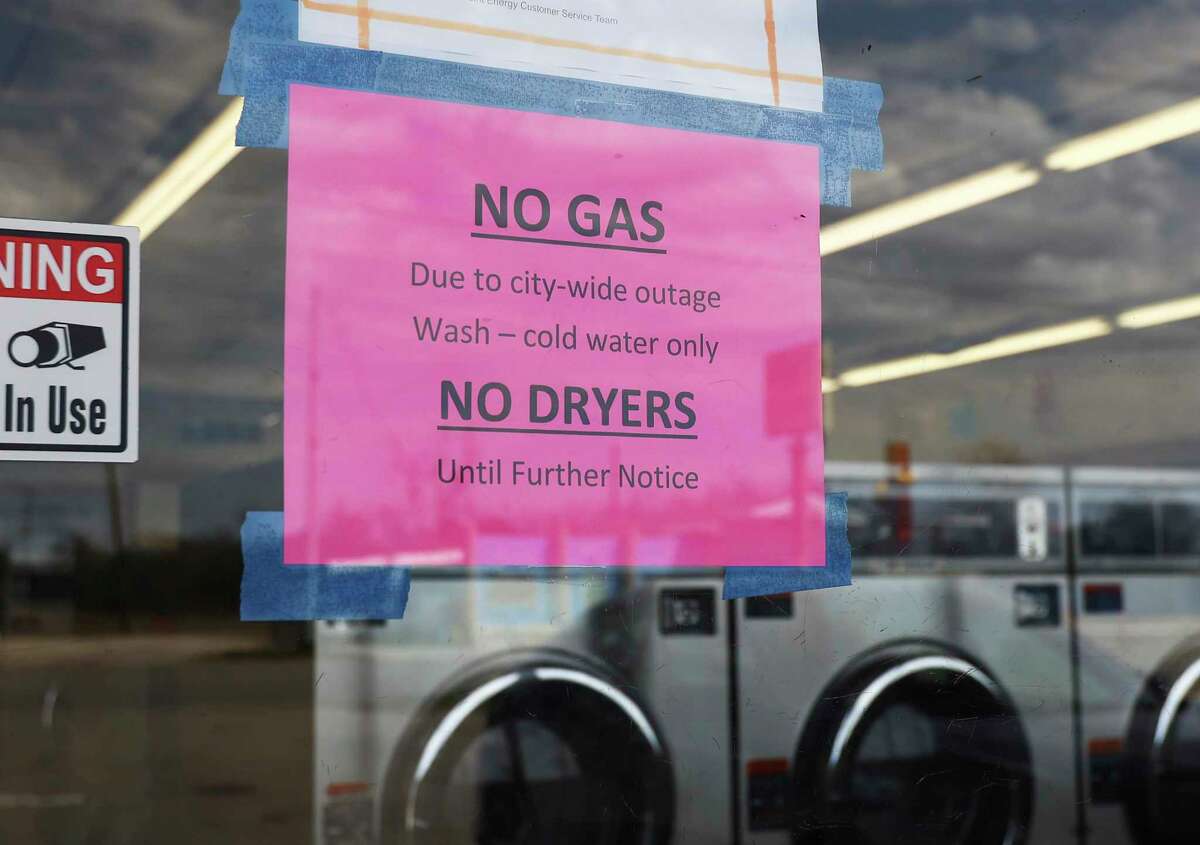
{"x":543,"y":748}
{"x":1163,"y":754}
{"x":913,"y":744}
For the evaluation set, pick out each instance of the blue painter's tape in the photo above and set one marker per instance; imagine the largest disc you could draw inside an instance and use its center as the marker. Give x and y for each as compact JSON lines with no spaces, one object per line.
{"x":260,"y":20}
{"x":742,"y":582}
{"x":272,"y":592}
{"x":265,"y":57}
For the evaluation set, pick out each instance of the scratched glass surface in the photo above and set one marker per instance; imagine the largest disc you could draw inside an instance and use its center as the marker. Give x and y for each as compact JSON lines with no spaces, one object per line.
{"x":1010,"y":401}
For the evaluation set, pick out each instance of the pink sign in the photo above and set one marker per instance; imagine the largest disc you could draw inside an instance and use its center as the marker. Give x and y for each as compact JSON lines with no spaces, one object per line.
{"x":511,"y":324}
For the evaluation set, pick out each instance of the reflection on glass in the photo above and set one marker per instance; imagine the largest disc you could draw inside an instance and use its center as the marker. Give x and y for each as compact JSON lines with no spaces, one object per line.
{"x":541,"y":762}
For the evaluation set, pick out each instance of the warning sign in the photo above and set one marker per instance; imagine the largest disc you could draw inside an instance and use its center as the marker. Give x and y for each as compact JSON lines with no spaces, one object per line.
{"x":598,"y":343}
{"x":68,"y":342}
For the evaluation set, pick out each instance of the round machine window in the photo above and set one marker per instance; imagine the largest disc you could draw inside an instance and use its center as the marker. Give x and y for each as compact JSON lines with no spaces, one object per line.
{"x":540,"y":753}
{"x":1163,"y":763}
{"x":913,"y":745}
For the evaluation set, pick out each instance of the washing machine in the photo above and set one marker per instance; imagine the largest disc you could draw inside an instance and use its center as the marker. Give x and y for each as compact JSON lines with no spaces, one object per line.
{"x":542,"y":706}
{"x":931,"y":701}
{"x":1137,"y":536}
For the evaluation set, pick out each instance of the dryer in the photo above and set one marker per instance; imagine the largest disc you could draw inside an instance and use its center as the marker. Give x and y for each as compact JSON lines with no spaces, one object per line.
{"x":528,"y":707}
{"x":931,"y":701}
{"x":1138,"y":547}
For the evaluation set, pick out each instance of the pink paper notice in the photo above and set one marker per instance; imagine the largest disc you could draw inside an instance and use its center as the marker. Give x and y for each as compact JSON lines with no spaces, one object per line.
{"x":519,"y":339}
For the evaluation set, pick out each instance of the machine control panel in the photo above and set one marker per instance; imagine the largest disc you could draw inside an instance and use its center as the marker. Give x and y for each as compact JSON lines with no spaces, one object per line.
{"x":688,"y":611}
{"x":1036,"y":605}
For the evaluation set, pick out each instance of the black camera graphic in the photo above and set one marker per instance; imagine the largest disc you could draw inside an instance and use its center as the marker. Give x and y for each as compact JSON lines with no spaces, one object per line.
{"x":55,"y":345}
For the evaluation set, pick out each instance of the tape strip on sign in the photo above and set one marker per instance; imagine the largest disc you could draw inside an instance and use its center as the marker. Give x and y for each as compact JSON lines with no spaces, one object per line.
{"x":265,"y":21}
{"x":265,"y":58}
{"x":745,"y":582}
{"x":272,"y":592}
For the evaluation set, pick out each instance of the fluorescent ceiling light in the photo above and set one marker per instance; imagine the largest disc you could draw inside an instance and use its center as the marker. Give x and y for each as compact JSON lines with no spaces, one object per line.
{"x":1033,"y":340}
{"x":1160,"y":127}
{"x":941,"y":201}
{"x":829,"y":385}
{"x":1000,"y":347}
{"x":203,"y":159}
{"x":896,"y":368}
{"x":1161,"y":312}
{"x":1169,"y":124}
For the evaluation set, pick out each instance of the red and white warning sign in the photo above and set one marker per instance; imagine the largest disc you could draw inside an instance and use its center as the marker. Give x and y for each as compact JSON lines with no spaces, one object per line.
{"x":68,"y":342}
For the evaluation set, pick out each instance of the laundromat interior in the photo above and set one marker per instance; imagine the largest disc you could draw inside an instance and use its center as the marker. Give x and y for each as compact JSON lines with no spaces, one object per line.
{"x":980,"y":350}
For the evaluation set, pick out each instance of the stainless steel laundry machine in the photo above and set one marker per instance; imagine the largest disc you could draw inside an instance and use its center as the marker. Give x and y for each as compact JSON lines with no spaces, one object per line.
{"x":546,"y":707}
{"x":931,"y":701}
{"x":1138,"y":546}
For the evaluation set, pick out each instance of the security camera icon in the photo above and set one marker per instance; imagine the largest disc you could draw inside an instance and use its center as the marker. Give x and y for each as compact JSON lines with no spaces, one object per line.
{"x":55,"y":345}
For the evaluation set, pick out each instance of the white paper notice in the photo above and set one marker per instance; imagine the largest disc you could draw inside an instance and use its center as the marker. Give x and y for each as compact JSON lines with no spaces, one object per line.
{"x":758,"y":51}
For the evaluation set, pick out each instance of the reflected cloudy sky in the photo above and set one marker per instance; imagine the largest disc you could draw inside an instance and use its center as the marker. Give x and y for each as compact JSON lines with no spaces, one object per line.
{"x":96,"y":98}
{"x":971,"y":85}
